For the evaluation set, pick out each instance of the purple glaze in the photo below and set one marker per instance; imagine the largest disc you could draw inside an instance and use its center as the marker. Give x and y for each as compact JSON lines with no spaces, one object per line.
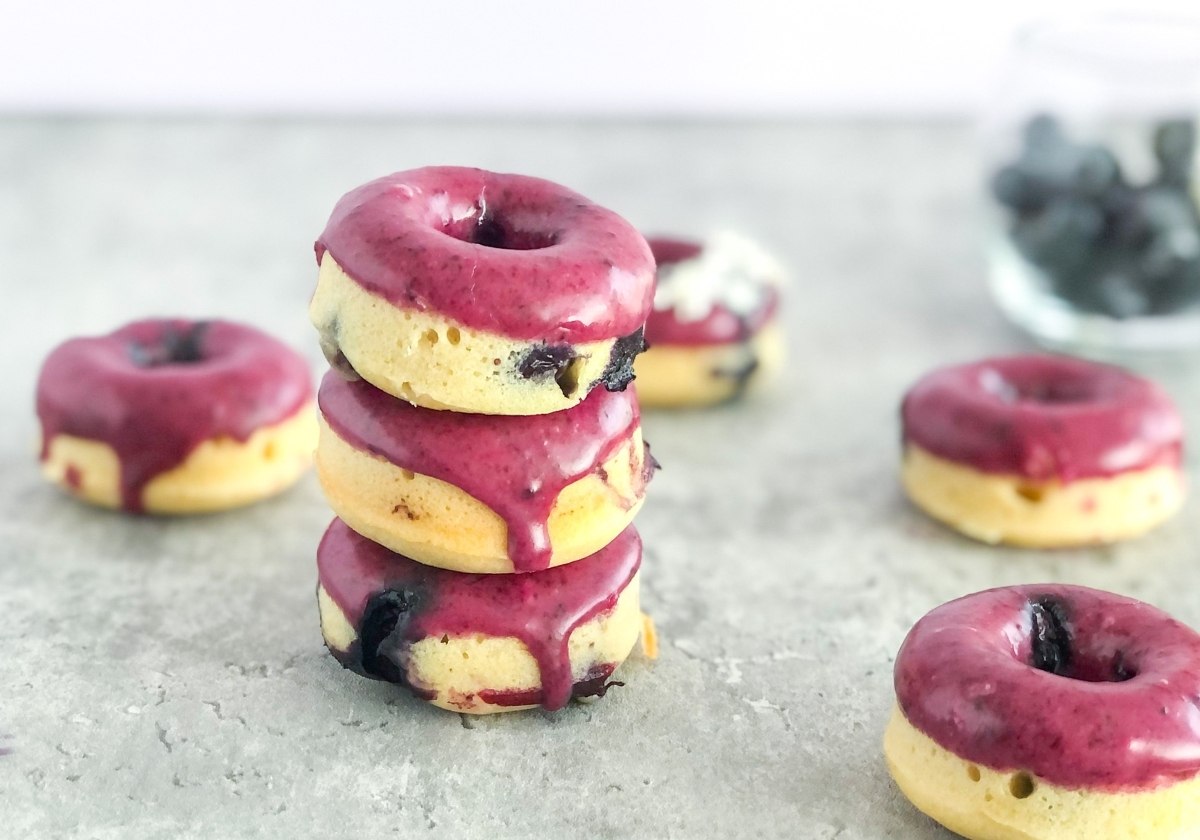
{"x":1125,"y":716}
{"x":541,"y":610}
{"x":1043,"y":417}
{"x":517,"y":466}
{"x":508,"y":254}
{"x":721,"y":326}
{"x":154,"y":390}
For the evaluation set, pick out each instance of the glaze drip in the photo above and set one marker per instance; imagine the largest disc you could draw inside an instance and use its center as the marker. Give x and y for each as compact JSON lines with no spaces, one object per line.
{"x":155,"y":390}
{"x":541,"y":610}
{"x":517,"y":466}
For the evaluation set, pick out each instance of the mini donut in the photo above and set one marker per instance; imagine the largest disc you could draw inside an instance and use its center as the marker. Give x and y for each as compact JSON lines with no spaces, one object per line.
{"x":175,"y":416}
{"x":713,"y":332}
{"x":479,"y":493}
{"x":1042,"y":451}
{"x":1049,"y":711}
{"x":479,"y":643}
{"x":472,"y":291}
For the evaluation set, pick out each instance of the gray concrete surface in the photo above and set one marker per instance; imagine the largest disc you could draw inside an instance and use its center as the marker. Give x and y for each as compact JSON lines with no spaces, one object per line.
{"x":166,"y":679}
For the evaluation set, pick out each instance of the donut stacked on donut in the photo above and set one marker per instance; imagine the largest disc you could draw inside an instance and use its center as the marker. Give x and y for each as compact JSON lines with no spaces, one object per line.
{"x":1049,"y":711}
{"x":175,"y":416}
{"x":1042,"y":451}
{"x":713,"y":331}
{"x":478,"y":442}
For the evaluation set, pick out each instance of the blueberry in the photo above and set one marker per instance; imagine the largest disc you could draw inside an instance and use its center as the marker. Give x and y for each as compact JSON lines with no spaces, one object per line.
{"x":1051,"y":636}
{"x":1012,"y":186}
{"x":1096,"y":170}
{"x":1042,"y":132}
{"x":1060,"y":235}
{"x":556,"y":360}
{"x":381,"y":633}
{"x":175,"y":347}
{"x":619,"y":371}
{"x":1175,"y":147}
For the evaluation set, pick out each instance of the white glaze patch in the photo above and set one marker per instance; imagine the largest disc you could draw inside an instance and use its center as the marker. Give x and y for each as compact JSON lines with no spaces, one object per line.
{"x":731,"y":271}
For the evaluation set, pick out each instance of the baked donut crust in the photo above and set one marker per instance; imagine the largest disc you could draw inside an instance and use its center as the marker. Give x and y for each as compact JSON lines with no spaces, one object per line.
{"x":479,"y":643}
{"x":985,"y":804}
{"x":997,"y":508}
{"x":476,"y":493}
{"x":219,"y":474}
{"x":680,"y":376}
{"x":438,"y":524}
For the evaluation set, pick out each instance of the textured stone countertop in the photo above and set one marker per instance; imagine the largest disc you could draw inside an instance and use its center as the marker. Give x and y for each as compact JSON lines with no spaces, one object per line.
{"x":165,"y":678}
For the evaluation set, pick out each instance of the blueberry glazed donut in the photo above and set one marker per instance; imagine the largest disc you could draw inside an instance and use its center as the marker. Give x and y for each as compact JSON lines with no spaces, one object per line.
{"x":713,"y":332}
{"x":174,"y":416}
{"x":480,"y":493}
{"x":466,"y":290}
{"x":1049,"y":712}
{"x":479,"y":643}
{"x":1042,"y":451}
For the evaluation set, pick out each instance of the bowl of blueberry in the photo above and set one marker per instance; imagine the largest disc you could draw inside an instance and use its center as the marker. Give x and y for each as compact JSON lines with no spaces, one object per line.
{"x":1093,"y":176}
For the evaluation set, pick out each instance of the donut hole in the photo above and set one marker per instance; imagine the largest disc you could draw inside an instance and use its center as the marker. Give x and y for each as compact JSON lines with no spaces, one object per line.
{"x":1061,"y":390}
{"x":1021,"y":785}
{"x":176,"y":346}
{"x":490,"y":229}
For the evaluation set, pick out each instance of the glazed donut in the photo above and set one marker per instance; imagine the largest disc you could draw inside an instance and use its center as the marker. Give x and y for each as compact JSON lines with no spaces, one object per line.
{"x":480,"y":493}
{"x":467,"y":290}
{"x":175,"y":416}
{"x":713,"y":332}
{"x":479,"y":643}
{"x":1042,"y":451}
{"x":1049,"y":711}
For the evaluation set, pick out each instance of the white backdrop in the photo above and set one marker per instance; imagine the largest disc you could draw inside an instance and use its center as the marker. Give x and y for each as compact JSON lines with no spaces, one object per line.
{"x":525,"y":57}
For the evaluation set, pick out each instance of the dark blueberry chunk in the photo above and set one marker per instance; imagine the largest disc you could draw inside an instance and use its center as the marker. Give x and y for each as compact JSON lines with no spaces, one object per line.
{"x":619,"y":371}
{"x":741,"y":375}
{"x":557,"y":360}
{"x":1051,"y":638}
{"x":175,"y":347}
{"x":381,"y":634}
{"x":332,"y":350}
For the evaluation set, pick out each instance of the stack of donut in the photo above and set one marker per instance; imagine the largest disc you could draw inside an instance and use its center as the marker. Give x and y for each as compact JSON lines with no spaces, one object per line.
{"x":478,"y":441}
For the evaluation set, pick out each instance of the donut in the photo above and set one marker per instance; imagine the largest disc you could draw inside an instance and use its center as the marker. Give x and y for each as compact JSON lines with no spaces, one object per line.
{"x":175,"y":416}
{"x":480,"y":493}
{"x":472,"y":291}
{"x":479,"y":643}
{"x":1049,"y":711}
{"x":1042,"y":451}
{"x":713,"y":331}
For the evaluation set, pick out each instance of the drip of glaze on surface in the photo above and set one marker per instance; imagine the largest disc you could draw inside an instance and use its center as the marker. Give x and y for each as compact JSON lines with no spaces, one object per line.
{"x":155,"y":390}
{"x":541,"y":610}
{"x":517,"y":466}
